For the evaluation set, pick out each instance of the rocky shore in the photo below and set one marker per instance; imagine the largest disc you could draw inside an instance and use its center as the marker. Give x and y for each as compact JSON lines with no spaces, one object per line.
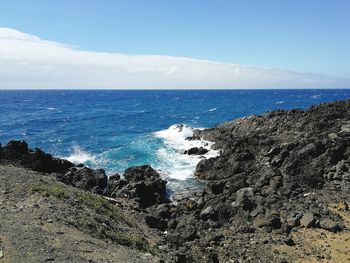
{"x":278,"y":192}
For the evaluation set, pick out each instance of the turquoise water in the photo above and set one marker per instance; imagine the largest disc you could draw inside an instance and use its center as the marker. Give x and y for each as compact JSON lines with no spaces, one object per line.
{"x":117,"y":129}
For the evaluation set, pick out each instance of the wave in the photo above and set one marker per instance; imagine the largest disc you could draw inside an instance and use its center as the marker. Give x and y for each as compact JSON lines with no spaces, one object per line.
{"x":172,"y":161}
{"x":213,"y":109}
{"x":175,"y":136}
{"x":279,"y":102}
{"x":79,"y":156}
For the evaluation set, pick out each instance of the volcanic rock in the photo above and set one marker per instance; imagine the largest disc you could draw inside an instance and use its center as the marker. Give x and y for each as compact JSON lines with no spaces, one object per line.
{"x":196,"y":151}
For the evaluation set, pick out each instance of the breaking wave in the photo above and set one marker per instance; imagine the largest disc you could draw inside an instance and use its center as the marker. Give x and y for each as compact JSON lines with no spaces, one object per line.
{"x":172,"y":161}
{"x":79,"y":156}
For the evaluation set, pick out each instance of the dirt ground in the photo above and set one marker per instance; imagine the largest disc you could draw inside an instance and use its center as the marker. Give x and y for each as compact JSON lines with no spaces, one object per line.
{"x":318,"y":245}
{"x":33,"y":227}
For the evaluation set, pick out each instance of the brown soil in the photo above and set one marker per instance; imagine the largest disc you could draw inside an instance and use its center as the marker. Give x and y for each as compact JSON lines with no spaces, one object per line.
{"x":318,"y":245}
{"x":35,"y":225}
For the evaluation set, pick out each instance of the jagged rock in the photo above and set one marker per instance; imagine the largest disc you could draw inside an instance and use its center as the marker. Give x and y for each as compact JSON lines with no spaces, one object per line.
{"x":308,"y":220}
{"x":145,"y":185}
{"x":172,"y":224}
{"x":87,"y":179}
{"x":270,"y":220}
{"x":245,"y":199}
{"x":15,"y":149}
{"x":156,"y":222}
{"x":293,"y":220}
{"x":196,"y":151}
{"x":289,"y":241}
{"x":330,"y":225}
{"x":216,"y":187}
{"x":207,"y":213}
{"x":140,"y":173}
{"x":162,"y":211}
{"x":115,"y":183}
{"x":18,"y":152}
{"x":181,"y":258}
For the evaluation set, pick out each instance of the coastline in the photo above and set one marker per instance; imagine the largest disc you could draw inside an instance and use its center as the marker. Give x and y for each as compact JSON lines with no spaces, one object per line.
{"x":279,"y":173}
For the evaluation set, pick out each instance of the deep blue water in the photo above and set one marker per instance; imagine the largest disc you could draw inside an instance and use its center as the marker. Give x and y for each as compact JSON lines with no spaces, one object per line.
{"x":116,"y":129}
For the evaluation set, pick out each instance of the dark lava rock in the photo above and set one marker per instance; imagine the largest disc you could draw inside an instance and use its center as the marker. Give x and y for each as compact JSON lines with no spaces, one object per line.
{"x":182,"y":234}
{"x":18,"y":153}
{"x":289,"y":241}
{"x":181,"y":258}
{"x":208,"y":213}
{"x":268,"y":176}
{"x":141,"y":173}
{"x":87,"y":179}
{"x":196,"y":151}
{"x":216,"y":187}
{"x":162,"y":211}
{"x":156,"y":222}
{"x":270,"y":220}
{"x":245,"y":199}
{"x":331,"y":225}
{"x":144,"y":185}
{"x":15,"y":149}
{"x":115,"y":183}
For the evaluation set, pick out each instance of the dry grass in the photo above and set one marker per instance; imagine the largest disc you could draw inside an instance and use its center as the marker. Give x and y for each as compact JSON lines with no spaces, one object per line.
{"x":318,"y":245}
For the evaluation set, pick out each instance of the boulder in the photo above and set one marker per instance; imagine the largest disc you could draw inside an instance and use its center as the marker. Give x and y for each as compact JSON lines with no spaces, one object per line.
{"x":87,"y":179}
{"x":268,"y":220}
{"x":308,"y":220}
{"x":156,"y":222}
{"x":216,"y":187}
{"x":245,"y":199}
{"x":196,"y":151}
{"x":331,"y":225}
{"x":208,"y":213}
{"x":15,"y":149}
{"x":145,"y":185}
{"x":115,"y":183}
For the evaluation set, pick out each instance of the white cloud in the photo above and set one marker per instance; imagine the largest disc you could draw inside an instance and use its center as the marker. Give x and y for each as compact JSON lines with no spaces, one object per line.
{"x":26,"y":61}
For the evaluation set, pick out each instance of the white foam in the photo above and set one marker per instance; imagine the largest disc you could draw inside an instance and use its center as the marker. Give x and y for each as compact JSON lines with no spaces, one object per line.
{"x":213,"y":109}
{"x":279,"y":102}
{"x":79,"y":156}
{"x":173,"y":163}
{"x":175,"y":136}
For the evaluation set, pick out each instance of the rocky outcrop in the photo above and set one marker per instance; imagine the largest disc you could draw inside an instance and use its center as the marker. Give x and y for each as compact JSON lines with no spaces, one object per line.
{"x":196,"y":151}
{"x":276,"y":172}
{"x":141,"y":183}
{"x":85,"y":178}
{"x":17,"y":152}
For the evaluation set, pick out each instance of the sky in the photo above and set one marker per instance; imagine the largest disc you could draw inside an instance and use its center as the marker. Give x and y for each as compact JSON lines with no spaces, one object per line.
{"x":174,"y":44}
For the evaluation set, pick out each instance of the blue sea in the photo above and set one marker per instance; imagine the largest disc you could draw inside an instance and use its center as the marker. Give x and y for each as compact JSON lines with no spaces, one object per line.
{"x":115,"y":129}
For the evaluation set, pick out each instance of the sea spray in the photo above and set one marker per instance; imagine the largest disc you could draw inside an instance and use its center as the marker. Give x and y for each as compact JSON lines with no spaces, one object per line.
{"x":79,"y":156}
{"x":172,"y":161}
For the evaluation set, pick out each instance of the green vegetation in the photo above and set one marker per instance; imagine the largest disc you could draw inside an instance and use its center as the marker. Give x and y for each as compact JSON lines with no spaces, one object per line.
{"x":94,"y":202}
{"x":130,"y":239}
{"x":56,"y":190}
{"x":106,"y":220}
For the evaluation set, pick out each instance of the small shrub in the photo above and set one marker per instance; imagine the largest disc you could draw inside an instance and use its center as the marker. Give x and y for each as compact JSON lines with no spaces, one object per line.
{"x":55,"y":190}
